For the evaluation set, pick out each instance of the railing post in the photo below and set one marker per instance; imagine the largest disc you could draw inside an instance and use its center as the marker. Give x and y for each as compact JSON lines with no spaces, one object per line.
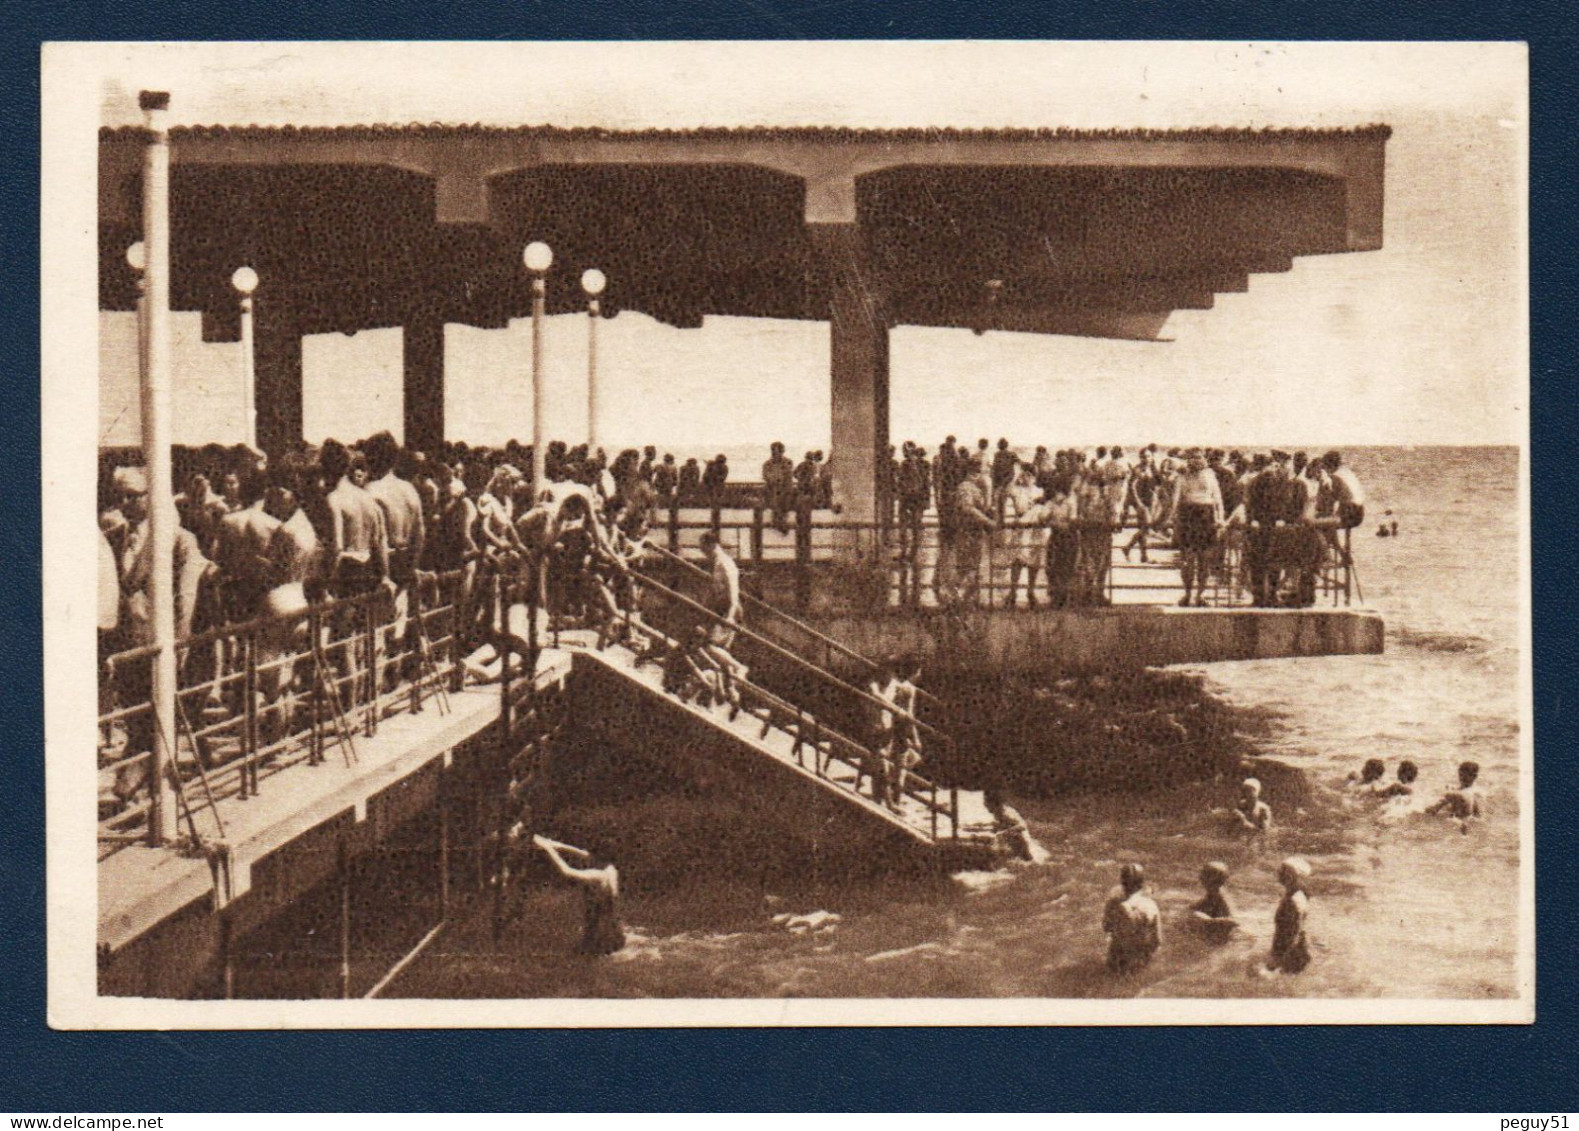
{"x":315,"y":649}
{"x":756,"y":535}
{"x":375,"y":678}
{"x":954,"y":810}
{"x":343,"y":868}
{"x":444,"y":842}
{"x":506,"y":656}
{"x":674,"y":526}
{"x":1348,"y":567}
{"x":249,"y":718}
{"x":227,"y":961}
{"x":803,"y":558}
{"x":992,"y":568}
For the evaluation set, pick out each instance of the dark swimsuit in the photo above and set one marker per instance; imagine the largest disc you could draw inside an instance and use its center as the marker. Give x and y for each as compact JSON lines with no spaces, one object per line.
{"x":603,"y":933}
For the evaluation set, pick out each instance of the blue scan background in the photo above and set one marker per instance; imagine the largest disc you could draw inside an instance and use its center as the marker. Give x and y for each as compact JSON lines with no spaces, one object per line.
{"x":1512,"y":1069}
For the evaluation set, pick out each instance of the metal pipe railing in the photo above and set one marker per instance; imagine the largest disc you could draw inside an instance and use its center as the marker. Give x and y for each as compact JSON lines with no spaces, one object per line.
{"x":910,"y":556}
{"x":804,"y":728}
{"x":822,"y":639}
{"x":861,"y":696}
{"x":234,"y":728}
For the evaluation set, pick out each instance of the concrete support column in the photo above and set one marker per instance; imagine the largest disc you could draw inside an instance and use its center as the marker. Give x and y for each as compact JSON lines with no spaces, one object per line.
{"x":423,"y":344}
{"x":858,"y":370}
{"x":278,"y":366}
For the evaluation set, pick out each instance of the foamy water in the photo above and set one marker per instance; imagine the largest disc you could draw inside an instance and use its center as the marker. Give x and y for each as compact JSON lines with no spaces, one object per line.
{"x":1402,"y":905}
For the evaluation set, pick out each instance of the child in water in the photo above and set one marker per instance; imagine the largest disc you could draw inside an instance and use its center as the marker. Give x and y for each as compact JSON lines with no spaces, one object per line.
{"x":1404,"y":787}
{"x":1254,"y":815}
{"x":1369,"y":778}
{"x":1463,"y":803}
{"x":1290,"y":947}
{"x":1213,"y":911}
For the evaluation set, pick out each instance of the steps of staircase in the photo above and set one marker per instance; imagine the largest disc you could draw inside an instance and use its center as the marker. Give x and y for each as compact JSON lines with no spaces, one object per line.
{"x":914,"y":817}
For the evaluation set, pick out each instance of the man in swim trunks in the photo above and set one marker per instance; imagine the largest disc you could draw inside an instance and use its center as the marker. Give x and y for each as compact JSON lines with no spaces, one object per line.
{"x":359,"y":545}
{"x":1132,"y":922}
{"x":241,"y":543}
{"x":600,"y":890}
{"x":723,"y":593}
{"x":403,"y":525}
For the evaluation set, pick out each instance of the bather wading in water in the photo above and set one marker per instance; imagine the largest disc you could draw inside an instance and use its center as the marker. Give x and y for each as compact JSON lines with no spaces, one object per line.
{"x":1132,"y":922}
{"x":1290,"y":946}
{"x":600,"y":889}
{"x":1213,"y":912}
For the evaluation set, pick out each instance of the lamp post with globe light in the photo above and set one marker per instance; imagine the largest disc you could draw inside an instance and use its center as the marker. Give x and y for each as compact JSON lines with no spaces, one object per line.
{"x":245,"y":280}
{"x":137,"y":260}
{"x":538,"y":258}
{"x":593,"y":282}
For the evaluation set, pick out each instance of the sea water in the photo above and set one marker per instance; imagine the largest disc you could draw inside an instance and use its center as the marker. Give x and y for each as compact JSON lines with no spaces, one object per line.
{"x":1403,"y":905}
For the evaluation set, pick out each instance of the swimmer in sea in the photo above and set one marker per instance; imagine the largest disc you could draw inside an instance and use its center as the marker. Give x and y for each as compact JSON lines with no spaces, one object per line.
{"x":1404,"y":787}
{"x":1213,"y":911}
{"x":1254,"y":815}
{"x":1132,"y":922}
{"x":1290,"y":947}
{"x":1463,"y":803}
{"x":1370,"y":775}
{"x":1013,"y":831}
{"x":600,"y":890}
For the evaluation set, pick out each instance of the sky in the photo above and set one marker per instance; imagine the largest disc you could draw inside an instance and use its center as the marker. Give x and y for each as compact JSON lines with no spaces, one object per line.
{"x":1421,"y":342}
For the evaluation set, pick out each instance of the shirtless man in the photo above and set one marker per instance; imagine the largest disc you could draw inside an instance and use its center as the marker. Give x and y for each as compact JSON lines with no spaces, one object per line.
{"x":241,"y":544}
{"x":292,"y":561}
{"x":357,"y":557}
{"x":1014,"y":833}
{"x":880,"y":737}
{"x":359,"y":543}
{"x":723,"y":594}
{"x":723,"y":598}
{"x":1132,"y":922}
{"x":600,"y":891}
{"x":403,"y":525}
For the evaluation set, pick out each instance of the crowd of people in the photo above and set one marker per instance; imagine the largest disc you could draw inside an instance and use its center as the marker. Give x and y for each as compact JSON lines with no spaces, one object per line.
{"x":367,"y":530}
{"x":1278,"y":513}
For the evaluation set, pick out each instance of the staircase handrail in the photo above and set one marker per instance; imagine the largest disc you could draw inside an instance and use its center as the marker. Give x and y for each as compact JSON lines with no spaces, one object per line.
{"x":822,"y":674}
{"x":919,"y":787}
{"x":866,"y":662}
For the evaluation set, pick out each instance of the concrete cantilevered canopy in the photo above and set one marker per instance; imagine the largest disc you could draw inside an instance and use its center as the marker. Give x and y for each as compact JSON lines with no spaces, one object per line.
{"x":1066,"y":232}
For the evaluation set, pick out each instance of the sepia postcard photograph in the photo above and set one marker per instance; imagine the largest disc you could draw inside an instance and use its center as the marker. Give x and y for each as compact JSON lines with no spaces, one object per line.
{"x":803,"y":533}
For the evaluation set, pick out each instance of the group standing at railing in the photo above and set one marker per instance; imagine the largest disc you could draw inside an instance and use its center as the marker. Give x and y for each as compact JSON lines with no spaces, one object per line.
{"x":1266,"y":523}
{"x":307,"y":588}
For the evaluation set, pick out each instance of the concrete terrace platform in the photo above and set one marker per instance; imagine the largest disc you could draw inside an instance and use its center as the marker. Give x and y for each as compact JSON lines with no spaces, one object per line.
{"x":141,"y":886}
{"x":1062,"y":640}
